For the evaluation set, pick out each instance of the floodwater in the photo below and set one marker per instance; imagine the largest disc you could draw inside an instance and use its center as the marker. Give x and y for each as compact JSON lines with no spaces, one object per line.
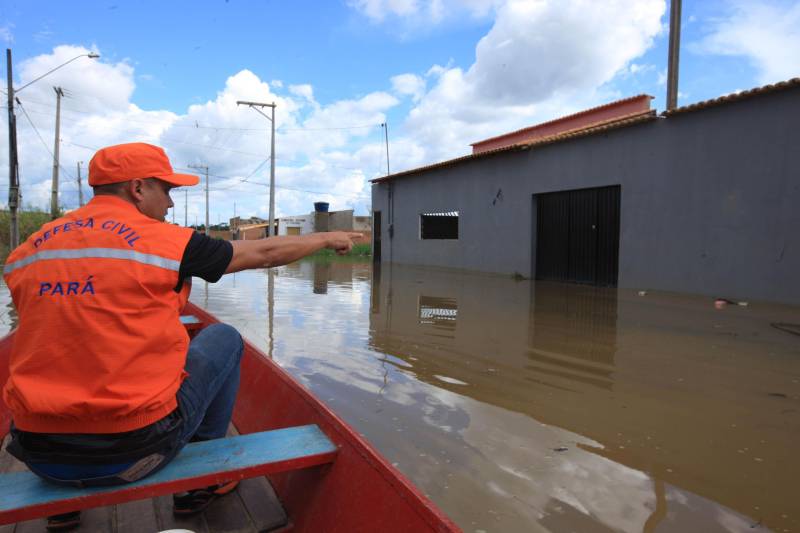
{"x":522,"y":406}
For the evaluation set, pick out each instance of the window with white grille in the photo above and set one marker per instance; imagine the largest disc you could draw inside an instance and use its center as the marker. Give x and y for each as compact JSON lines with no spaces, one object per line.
{"x":441,"y":225}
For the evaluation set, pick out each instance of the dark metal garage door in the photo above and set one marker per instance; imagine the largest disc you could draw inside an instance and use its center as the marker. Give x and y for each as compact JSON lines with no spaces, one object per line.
{"x":577,"y":235}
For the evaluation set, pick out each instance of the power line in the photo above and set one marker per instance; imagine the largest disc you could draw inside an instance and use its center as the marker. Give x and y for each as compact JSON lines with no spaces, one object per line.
{"x":197,"y":125}
{"x":241,"y":152}
{"x":242,"y":181}
{"x":173,"y":141}
{"x":261,"y":184}
{"x":333,"y":128}
{"x":19,"y":104}
{"x":246,"y":178}
{"x":162,"y":139}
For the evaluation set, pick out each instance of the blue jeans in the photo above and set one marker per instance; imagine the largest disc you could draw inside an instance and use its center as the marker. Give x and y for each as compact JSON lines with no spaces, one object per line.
{"x":208,"y":393}
{"x":205,"y":402}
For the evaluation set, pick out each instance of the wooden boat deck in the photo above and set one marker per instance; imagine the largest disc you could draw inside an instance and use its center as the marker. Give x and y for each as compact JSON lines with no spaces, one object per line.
{"x":253,"y":507}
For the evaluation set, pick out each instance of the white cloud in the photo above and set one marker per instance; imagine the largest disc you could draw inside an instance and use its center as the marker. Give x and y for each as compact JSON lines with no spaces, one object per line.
{"x":314,"y":152}
{"x":6,"y":33}
{"x":378,"y":10}
{"x":100,"y":87}
{"x":537,"y":49}
{"x":423,"y":13}
{"x":409,"y":84}
{"x":636,"y":68}
{"x":541,"y":59}
{"x":765,"y":32}
{"x":662,"y":77}
{"x":303,"y":91}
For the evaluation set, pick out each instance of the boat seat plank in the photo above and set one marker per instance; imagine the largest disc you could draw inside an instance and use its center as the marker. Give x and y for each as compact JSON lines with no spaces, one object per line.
{"x":23,"y":495}
{"x":191,"y":323}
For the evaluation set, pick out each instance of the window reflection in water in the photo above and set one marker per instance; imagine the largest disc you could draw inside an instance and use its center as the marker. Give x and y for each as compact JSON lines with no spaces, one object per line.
{"x":438,"y":312}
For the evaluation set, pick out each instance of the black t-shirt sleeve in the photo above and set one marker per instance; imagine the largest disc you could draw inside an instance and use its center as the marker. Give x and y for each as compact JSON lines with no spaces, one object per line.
{"x":204,"y":257}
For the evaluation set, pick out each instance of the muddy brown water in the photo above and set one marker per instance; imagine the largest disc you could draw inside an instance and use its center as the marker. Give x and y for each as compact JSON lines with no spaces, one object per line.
{"x":522,"y":406}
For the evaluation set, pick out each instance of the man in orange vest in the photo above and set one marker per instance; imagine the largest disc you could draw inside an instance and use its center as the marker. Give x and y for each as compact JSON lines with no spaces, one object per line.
{"x":105,"y":386}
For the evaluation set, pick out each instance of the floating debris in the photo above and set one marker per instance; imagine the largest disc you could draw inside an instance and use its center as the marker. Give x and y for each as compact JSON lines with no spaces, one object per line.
{"x":452,"y":381}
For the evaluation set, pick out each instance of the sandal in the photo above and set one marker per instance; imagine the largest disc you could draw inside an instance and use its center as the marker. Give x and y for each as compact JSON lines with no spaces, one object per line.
{"x":195,"y":501}
{"x":63,"y":522}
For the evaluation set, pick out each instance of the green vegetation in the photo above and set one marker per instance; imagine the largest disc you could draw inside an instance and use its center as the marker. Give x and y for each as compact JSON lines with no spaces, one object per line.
{"x":29,"y":221}
{"x":359,"y":250}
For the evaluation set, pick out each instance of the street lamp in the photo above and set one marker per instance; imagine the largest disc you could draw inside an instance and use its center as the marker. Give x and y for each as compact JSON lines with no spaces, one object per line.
{"x":90,"y":55}
{"x":13,"y":166}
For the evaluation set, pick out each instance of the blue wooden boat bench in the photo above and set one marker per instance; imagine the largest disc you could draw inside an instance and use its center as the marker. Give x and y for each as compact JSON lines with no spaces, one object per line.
{"x":24,"y":496}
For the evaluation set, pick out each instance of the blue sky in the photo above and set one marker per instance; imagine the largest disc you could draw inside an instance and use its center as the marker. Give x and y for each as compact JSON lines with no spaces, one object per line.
{"x":443,"y":73}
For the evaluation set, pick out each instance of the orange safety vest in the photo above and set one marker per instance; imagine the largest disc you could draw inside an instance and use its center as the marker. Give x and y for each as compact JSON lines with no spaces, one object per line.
{"x":100,"y":347}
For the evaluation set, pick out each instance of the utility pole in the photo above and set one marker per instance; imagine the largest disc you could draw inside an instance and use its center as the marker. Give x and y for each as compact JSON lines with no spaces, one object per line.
{"x":255,"y":106}
{"x":13,"y":160}
{"x":674,"y":54}
{"x":80,"y":189}
{"x":13,"y":168}
{"x":386,"y":132}
{"x":54,"y":189}
{"x":204,"y":167}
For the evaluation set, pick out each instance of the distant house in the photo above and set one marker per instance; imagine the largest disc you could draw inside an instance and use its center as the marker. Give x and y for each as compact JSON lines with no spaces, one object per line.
{"x":318,"y":221}
{"x":256,"y":228}
{"x":236,"y":222}
{"x":296,"y":225}
{"x":701,"y":199}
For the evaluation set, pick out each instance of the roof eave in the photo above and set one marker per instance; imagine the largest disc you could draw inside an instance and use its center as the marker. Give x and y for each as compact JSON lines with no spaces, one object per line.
{"x":636,"y":118}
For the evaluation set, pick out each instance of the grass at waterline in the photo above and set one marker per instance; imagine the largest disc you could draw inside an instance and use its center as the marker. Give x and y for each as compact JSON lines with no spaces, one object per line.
{"x":359,"y":250}
{"x":29,"y":221}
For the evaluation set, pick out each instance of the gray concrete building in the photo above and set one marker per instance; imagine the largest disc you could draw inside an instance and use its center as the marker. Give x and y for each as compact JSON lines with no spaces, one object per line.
{"x":703,"y":199}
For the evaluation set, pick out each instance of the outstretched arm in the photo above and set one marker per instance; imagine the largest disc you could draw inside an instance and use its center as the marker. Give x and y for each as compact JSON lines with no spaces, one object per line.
{"x":276,"y":251}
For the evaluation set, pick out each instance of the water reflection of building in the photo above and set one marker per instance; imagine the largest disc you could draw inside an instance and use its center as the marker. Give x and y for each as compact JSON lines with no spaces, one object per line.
{"x":661,"y":383}
{"x":485,"y":330}
{"x":573,"y":332}
{"x":438,"y":312}
{"x":322,"y":273}
{"x":466,"y":324}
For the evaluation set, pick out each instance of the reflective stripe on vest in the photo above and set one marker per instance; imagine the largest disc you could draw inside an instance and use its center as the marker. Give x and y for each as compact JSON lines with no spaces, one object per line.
{"x":100,"y":253}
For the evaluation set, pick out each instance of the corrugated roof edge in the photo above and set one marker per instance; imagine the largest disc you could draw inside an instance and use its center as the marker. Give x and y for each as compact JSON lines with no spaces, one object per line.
{"x":735,"y":97}
{"x":600,"y":127}
{"x":560,"y":119}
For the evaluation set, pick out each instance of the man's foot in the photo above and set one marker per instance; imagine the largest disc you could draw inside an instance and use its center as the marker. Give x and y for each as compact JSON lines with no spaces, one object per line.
{"x":64,"y":522}
{"x":195,"y":501}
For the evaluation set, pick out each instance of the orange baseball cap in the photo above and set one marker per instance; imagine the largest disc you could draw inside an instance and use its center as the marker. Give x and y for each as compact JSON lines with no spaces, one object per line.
{"x":124,"y":162}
